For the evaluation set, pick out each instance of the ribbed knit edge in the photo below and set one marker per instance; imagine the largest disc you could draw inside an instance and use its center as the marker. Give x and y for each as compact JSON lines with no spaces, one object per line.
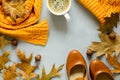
{"x":98,"y":9}
{"x":37,"y":34}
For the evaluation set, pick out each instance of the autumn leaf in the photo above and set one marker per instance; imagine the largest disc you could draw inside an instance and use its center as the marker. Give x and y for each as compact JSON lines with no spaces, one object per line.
{"x":53,"y":73}
{"x":113,"y":60}
{"x":27,"y":70}
{"x":4,"y":59}
{"x":106,"y":45}
{"x":10,"y":73}
{"x":3,"y":43}
{"x":15,"y":9}
{"x":24,"y":69}
{"x":110,"y":23}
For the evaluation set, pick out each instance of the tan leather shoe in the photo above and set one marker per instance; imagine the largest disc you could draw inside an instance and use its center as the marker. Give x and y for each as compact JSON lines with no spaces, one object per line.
{"x":76,"y":66}
{"x":99,"y":71}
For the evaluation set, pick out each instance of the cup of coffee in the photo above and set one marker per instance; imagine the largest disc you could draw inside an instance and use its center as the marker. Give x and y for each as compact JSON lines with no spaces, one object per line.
{"x":59,"y":7}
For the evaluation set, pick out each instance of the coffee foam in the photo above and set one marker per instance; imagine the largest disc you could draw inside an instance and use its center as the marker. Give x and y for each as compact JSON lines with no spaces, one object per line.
{"x":58,"y":5}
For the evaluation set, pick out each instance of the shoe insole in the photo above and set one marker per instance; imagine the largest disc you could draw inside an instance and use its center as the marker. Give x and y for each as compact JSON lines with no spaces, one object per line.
{"x":77,"y":76}
{"x":104,"y":76}
{"x":77,"y":73}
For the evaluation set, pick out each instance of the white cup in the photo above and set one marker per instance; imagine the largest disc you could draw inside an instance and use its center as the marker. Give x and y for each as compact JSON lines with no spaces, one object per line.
{"x":65,"y":12}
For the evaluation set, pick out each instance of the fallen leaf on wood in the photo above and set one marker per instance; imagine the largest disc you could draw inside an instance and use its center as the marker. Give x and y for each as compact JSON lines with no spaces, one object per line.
{"x":113,"y":60}
{"x":106,"y":45}
{"x":53,"y":73}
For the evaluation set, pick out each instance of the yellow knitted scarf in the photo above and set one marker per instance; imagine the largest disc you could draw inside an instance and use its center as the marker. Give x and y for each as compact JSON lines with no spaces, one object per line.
{"x":25,"y":28}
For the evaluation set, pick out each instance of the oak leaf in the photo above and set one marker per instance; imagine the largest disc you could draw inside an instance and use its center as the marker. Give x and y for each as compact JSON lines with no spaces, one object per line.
{"x":4,"y":59}
{"x":53,"y":73}
{"x":113,"y":60}
{"x":110,"y":23}
{"x":26,"y":69}
{"x":106,"y":45}
{"x":10,"y":73}
{"x":3,"y":42}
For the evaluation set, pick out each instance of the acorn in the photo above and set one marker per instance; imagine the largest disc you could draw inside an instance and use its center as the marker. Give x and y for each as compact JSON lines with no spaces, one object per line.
{"x":14,"y":42}
{"x":37,"y":57}
{"x":112,"y":36}
{"x":89,"y":52}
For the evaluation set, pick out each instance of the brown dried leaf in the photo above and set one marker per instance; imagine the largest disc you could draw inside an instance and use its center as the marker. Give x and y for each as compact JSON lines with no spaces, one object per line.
{"x":106,"y":45}
{"x":53,"y":73}
{"x":4,"y":59}
{"x":110,"y":23}
{"x":14,"y":8}
{"x":113,"y":60}
{"x":26,"y":76}
{"x":10,"y":73}
{"x":27,"y":71}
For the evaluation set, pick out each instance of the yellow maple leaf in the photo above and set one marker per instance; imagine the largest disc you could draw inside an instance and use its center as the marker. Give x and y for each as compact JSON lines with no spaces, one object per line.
{"x":53,"y":73}
{"x":27,"y":70}
{"x":106,"y":45}
{"x":10,"y":73}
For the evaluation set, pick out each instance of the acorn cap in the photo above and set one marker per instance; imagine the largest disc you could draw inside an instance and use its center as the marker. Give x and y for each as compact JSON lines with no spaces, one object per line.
{"x":101,"y":8}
